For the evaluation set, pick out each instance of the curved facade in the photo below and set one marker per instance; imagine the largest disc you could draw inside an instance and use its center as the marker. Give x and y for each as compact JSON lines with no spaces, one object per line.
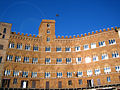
{"x":44,"y":61}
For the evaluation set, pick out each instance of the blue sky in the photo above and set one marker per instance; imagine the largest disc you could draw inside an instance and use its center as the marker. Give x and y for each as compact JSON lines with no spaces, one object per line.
{"x":75,"y":16}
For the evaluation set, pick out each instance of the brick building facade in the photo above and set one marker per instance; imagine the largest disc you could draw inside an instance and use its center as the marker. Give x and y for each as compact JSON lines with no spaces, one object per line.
{"x":46,"y":61}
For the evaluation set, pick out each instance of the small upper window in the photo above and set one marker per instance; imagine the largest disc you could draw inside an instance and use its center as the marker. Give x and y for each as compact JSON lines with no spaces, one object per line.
{"x":24,"y":74}
{"x":16,"y":73}
{"x":97,"y":71}
{"x":11,"y":45}
{"x":89,"y":72}
{"x":47,"y":49}
{"x":115,"y":54}
{"x":35,"y":48}
{"x":1,"y":47}
{"x":3,"y":36}
{"x":59,"y":74}
{"x":93,"y":45}
{"x":48,"y":25}
{"x":104,"y":56}
{"x":19,"y":46}
{"x":86,"y":47}
{"x":95,"y":58}
{"x":9,"y":57}
{"x":59,"y":60}
{"x":4,"y":31}
{"x":47,"y":74}
{"x":17,"y":58}
{"x":117,"y":68}
{"x":0,"y":59}
{"x":102,"y":43}
{"x":112,"y":41}
{"x":107,"y":69}
{"x":58,"y":49}
{"x":78,"y":60}
{"x":67,"y":49}
{"x":26,"y":59}
{"x":68,"y":60}
{"x":69,"y":74}
{"x":87,"y":59}
{"x":77,"y":48}
{"x":27,"y":47}
{"x":47,"y":60}
{"x":79,"y":74}
{"x":34,"y":74}
{"x":48,"y":31}
{"x":34,"y":60}
{"x":7,"y":72}
{"x":48,"y":39}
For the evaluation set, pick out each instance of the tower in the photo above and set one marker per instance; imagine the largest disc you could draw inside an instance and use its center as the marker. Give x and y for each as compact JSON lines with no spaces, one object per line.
{"x":47,"y":30}
{"x":5,"y":30}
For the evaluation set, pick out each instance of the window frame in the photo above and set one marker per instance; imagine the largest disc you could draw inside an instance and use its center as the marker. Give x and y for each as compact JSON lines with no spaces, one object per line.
{"x":102,"y":43}
{"x":92,"y":45}
{"x":112,"y":41}
{"x":59,"y":74}
{"x":11,"y":45}
{"x":84,"y":47}
{"x":19,"y":46}
{"x":87,"y":59}
{"x":77,"y":48}
{"x":89,"y":73}
{"x":47,"y":49}
{"x":67,"y":49}
{"x":57,"y":49}
{"x":104,"y":56}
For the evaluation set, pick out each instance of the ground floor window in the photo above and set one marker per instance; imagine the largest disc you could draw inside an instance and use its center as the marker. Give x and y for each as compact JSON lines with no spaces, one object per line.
{"x":15,"y":81}
{"x":59,"y":84}
{"x":80,"y":81}
{"x":70,"y":82}
{"x":6,"y":83}
{"x":98,"y":82}
{"x":47,"y":85}
{"x":33,"y":84}
{"x":108,"y":79}
{"x":90,"y":83}
{"x":24,"y":84}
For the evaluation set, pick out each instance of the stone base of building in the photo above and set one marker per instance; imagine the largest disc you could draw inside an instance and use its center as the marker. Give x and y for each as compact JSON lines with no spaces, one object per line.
{"x":106,"y":87}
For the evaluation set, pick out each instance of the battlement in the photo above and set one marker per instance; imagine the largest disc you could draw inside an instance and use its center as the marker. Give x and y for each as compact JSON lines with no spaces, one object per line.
{"x":22,"y":34}
{"x":86,"y":34}
{"x":48,"y":21}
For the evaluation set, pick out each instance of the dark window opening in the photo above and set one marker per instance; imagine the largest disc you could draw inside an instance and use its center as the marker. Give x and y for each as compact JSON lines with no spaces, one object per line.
{"x":80,"y":81}
{"x":33,"y":84}
{"x":48,"y":25}
{"x":59,"y":84}
{"x":24,"y":84}
{"x":119,"y":77}
{"x":1,"y":47}
{"x":4,"y":31}
{"x":5,"y":83}
{"x":3,"y":36}
{"x":15,"y":81}
{"x":90,"y":83}
{"x":48,"y":31}
{"x":0,"y":59}
{"x":47,"y":85}
{"x":70,"y":82}
{"x":0,"y":33}
{"x":98,"y":82}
